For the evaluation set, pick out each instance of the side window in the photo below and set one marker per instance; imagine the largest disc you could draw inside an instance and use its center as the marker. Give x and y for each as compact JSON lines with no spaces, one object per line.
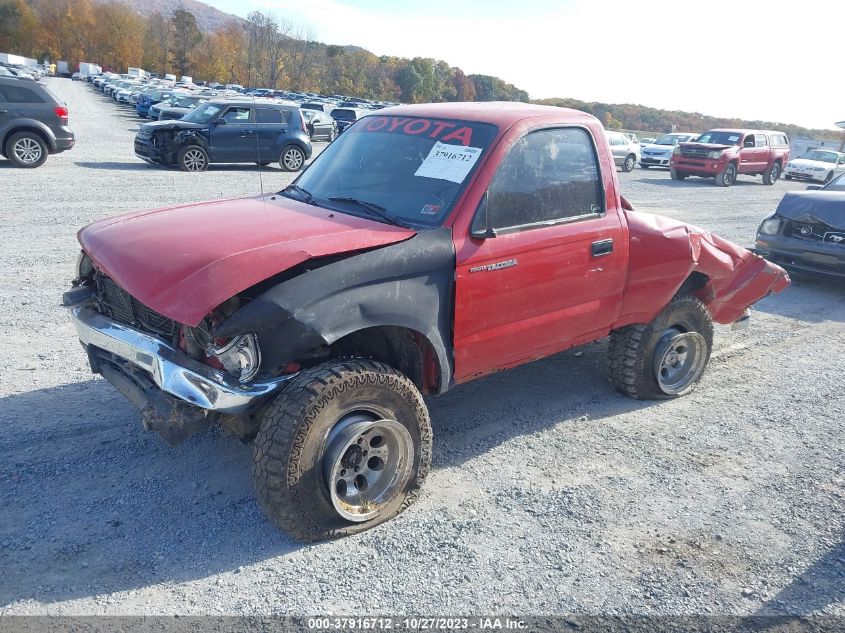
{"x":762,"y":141}
{"x":20,"y":94}
{"x":269,"y":115}
{"x":546,"y":176}
{"x":237,"y":115}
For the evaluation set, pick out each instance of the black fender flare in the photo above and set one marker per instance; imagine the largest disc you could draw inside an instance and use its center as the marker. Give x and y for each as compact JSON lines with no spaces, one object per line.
{"x":408,"y":284}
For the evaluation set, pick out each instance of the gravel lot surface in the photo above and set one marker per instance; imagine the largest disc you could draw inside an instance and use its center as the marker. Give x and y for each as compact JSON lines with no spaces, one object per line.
{"x":549,"y":493}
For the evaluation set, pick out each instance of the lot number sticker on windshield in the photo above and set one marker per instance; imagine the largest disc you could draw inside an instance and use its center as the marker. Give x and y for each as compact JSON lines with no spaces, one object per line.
{"x":448,"y":162}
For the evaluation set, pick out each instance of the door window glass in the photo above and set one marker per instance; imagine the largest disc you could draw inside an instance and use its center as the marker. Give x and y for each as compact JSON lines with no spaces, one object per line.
{"x":548,"y":175}
{"x":269,"y":115}
{"x":237,"y":115}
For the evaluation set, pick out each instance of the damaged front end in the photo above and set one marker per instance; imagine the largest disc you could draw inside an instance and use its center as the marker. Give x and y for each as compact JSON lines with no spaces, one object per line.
{"x":806,"y":233}
{"x":161,"y":142}
{"x":178,"y":377}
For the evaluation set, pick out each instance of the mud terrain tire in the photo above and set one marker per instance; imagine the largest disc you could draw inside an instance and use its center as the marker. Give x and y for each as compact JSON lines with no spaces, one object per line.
{"x":636,"y":352}
{"x":294,"y":445}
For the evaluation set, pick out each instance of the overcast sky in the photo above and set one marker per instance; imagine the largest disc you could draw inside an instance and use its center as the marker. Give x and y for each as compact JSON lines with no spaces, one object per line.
{"x":774,"y":61}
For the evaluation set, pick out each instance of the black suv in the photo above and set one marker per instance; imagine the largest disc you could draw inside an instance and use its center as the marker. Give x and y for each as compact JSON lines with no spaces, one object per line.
{"x":33,"y":122}
{"x":228,"y":131}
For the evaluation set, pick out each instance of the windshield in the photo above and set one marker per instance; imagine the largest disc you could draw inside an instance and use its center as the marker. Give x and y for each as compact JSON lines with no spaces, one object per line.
{"x":415,"y":168}
{"x":667,"y":140}
{"x":825,"y":157}
{"x":720,"y":138}
{"x":837,"y":184}
{"x":203,"y":114}
{"x":188,"y":102}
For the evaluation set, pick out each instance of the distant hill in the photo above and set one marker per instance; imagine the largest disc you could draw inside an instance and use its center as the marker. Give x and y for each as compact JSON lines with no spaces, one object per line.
{"x":209,"y":19}
{"x":627,"y":116}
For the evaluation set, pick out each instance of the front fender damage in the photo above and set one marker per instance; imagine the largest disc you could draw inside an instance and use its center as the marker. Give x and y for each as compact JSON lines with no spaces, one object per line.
{"x":407,"y":284}
{"x":664,"y":253}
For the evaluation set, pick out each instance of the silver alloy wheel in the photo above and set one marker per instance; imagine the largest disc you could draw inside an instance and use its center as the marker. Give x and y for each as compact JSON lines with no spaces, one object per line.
{"x":774,"y":174}
{"x":27,"y":150}
{"x":730,"y":173}
{"x":194,"y":160}
{"x":367,"y":463}
{"x":629,"y":163}
{"x":679,"y":359}
{"x":293,"y":159}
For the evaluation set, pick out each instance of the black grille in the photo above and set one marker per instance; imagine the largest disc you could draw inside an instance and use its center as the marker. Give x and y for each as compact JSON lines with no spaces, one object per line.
{"x":695,"y":152}
{"x":119,"y":305}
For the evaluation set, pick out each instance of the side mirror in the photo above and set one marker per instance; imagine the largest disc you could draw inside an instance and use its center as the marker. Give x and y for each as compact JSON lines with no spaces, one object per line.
{"x":748,"y":143}
{"x":481,"y":229}
{"x":219,"y":121}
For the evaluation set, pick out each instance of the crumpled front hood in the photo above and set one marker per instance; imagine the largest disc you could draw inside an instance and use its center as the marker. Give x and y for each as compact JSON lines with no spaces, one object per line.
{"x":184,"y":261}
{"x":149,"y":128}
{"x":825,"y":207}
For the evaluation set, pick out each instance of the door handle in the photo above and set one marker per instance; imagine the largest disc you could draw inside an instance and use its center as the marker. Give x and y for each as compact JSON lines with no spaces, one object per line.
{"x":602,"y":247}
{"x":247,"y":132}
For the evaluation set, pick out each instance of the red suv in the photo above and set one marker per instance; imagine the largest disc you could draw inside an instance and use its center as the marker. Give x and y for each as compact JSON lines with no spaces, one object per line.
{"x":724,"y":154}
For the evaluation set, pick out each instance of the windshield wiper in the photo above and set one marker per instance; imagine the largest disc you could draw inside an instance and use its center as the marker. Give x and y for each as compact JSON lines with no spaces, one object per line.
{"x":375,"y":209}
{"x":308,"y":198}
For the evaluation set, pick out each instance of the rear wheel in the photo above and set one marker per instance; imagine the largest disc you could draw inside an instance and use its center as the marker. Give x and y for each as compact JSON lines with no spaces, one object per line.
{"x":192,"y":158}
{"x":26,"y":149}
{"x":665,"y":358}
{"x":674,"y":174}
{"x":630,"y":163}
{"x":292,"y":158}
{"x":727,"y":176}
{"x":771,"y":176}
{"x":344,"y":447}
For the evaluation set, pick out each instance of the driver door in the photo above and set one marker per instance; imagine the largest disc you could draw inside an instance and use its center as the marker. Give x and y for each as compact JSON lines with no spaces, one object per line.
{"x":233,"y":136}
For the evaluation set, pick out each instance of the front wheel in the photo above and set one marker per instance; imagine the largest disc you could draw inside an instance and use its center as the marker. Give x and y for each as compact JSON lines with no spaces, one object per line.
{"x":292,"y":158}
{"x":665,"y":358}
{"x":630,"y":163}
{"x":772,"y":174}
{"x":674,"y":174}
{"x":192,"y":158}
{"x":345,"y":447}
{"x":727,"y":176}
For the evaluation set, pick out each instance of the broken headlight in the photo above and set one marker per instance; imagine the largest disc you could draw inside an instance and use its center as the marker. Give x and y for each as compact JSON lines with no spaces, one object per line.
{"x":239,"y":356}
{"x":770,"y":226}
{"x":84,"y":266}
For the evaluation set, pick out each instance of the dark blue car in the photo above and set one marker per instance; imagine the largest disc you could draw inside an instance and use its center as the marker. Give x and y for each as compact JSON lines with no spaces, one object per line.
{"x":228,"y":131}
{"x":149,"y":99}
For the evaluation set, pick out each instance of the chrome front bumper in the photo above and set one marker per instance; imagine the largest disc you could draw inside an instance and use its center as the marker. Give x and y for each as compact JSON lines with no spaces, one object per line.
{"x":171,"y":370}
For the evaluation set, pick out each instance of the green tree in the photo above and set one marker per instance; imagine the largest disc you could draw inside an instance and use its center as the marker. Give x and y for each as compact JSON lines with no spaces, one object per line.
{"x":186,"y":37}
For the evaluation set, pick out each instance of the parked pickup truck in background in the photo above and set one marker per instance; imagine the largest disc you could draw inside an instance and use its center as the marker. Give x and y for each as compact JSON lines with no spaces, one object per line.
{"x":427,"y":246}
{"x":725,"y":154}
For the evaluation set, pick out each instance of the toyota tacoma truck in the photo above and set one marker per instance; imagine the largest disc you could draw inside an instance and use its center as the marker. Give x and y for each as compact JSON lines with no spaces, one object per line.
{"x":428,"y":246}
{"x":725,"y":154}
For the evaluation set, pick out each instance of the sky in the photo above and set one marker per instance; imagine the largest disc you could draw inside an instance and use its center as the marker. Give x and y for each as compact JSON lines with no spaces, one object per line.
{"x":771,"y":61}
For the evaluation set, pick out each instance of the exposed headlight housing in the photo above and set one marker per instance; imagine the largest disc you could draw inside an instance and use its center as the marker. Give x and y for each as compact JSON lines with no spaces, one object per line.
{"x":676,"y":151}
{"x":240,"y":356}
{"x":770,"y":226}
{"x":84,"y":266}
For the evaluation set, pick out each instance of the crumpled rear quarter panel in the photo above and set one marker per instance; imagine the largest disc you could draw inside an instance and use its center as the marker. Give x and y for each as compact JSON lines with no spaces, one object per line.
{"x":663,"y":254}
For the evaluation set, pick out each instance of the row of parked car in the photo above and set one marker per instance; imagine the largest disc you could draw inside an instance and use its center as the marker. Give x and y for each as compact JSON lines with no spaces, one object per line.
{"x":199,"y":125}
{"x":724,"y":154}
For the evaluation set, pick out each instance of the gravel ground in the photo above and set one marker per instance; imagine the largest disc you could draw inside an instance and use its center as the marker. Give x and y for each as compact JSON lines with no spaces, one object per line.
{"x":549,"y":494}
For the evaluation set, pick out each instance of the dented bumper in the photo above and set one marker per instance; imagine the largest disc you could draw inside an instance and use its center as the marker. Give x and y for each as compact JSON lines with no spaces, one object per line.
{"x":168,"y":369}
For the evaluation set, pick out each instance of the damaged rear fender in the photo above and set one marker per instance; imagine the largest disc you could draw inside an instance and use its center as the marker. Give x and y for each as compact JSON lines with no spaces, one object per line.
{"x":665,"y":252}
{"x":407,"y":285}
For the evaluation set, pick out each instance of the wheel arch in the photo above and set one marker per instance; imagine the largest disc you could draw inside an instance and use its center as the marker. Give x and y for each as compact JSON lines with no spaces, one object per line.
{"x":35,"y":127}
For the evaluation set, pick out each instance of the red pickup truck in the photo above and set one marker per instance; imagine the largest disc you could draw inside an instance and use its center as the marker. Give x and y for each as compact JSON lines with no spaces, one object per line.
{"x":725,"y":154}
{"x":427,"y":246}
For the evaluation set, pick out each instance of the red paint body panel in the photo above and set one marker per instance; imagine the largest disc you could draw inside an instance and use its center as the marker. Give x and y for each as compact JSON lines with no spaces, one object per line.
{"x":185,"y":261}
{"x":663,"y":253}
